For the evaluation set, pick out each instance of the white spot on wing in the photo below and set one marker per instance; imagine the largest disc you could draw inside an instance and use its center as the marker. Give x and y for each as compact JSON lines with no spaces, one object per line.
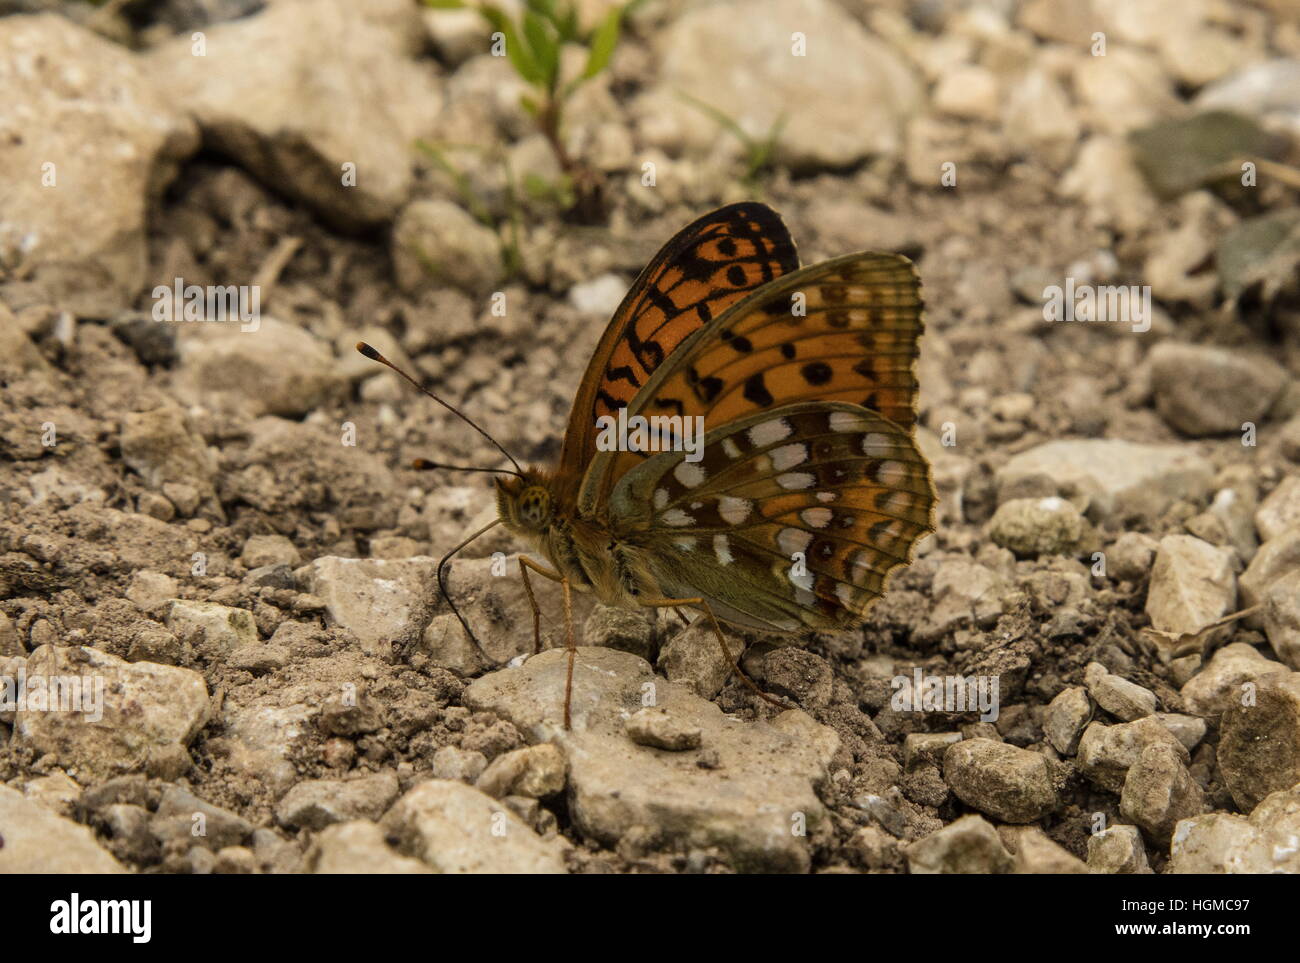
{"x":816,"y":517}
{"x":787,"y":456}
{"x":874,"y":443}
{"x":690,"y":474}
{"x":722,"y":550}
{"x":845,"y":421}
{"x":769,"y":432}
{"x":791,"y":540}
{"x":661,"y":498}
{"x":796,"y":480}
{"x":676,"y":517}
{"x":731,"y":448}
{"x":734,"y":510}
{"x":891,"y":473}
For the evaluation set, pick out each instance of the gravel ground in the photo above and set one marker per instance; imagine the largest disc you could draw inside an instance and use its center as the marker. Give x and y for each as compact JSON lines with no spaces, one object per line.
{"x":212,"y":525}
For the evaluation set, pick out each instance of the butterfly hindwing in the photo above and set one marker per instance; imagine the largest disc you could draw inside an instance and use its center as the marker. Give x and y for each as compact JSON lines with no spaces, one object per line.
{"x":791,"y":519}
{"x":845,"y":330}
{"x":708,"y":266}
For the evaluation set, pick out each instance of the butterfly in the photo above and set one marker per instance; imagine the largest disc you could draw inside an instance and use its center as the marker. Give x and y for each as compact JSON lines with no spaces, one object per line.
{"x":804,"y":488}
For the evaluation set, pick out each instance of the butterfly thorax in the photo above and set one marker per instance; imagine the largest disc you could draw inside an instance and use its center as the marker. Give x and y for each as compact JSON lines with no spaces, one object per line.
{"x":581,"y":549}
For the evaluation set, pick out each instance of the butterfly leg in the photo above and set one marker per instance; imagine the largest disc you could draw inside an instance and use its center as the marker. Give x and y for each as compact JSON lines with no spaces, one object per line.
{"x":722,"y":642}
{"x":570,"y":641}
{"x":525,"y":564}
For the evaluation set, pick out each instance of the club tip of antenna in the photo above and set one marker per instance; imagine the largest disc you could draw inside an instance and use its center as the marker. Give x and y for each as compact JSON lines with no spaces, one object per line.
{"x":423,"y":464}
{"x":369,"y":352}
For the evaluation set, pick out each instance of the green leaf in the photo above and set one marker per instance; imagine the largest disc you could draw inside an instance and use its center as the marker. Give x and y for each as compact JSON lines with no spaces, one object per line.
{"x":603,"y":42}
{"x":568,"y":24}
{"x":545,"y":49}
{"x":721,"y":118}
{"x":444,"y":4}
{"x":516,"y":50}
{"x":530,"y":105}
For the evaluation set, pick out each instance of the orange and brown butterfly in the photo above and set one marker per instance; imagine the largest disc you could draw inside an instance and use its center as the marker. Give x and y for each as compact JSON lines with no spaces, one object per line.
{"x":809,"y":488}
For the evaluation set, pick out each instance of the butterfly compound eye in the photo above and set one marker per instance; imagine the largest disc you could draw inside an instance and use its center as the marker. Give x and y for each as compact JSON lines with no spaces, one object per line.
{"x":534,"y":507}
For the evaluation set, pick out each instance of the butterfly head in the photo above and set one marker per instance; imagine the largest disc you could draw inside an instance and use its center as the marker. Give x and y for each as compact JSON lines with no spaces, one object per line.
{"x":524,"y":503}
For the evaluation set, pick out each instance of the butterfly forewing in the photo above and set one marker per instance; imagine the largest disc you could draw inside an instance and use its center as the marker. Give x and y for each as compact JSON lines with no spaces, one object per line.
{"x":791,"y":519}
{"x":843,"y":330}
{"x":708,"y":266}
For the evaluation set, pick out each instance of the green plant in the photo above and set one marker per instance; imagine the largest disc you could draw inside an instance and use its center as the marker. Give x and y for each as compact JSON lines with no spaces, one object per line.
{"x":508,"y":226}
{"x":533,"y":44}
{"x":759,"y":153}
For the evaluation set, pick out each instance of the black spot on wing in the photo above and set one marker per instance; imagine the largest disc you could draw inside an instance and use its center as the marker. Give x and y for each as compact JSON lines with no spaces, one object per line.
{"x":755,"y":391}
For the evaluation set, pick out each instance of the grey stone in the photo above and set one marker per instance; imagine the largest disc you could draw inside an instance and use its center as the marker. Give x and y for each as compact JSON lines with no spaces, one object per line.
{"x":436,"y":242}
{"x":657,"y":729}
{"x":1159,"y":791}
{"x":455,"y":828}
{"x":380,"y":601}
{"x":1118,"y":850}
{"x":751,"y":75}
{"x":106,"y":128}
{"x":262,"y":550}
{"x":1030,"y":527}
{"x":970,"y":845}
{"x":1227,"y":843}
{"x":1011,"y":784}
{"x":1277,"y":557}
{"x":1193,"y":585}
{"x":317,"y":803}
{"x":1131,"y":557}
{"x":1281,"y":618}
{"x":1121,"y":698}
{"x":1106,"y":753}
{"x":771,"y":769}
{"x":1189,"y":730}
{"x":297,"y":135}
{"x":1065,"y":718}
{"x":694,"y":658}
{"x":181,"y":815}
{"x":620,"y":629}
{"x":1220,"y":683}
{"x":150,"y":714}
{"x":216,"y":630}
{"x":1203,"y":390}
{"x":1259,"y":741}
{"x":247,"y":368}
{"x":1036,"y":854}
{"x":534,"y":772}
{"x":358,"y":848}
{"x":1107,"y":479}
{"x":463,"y":765}
{"x":36,"y":840}
{"x":922,"y":747}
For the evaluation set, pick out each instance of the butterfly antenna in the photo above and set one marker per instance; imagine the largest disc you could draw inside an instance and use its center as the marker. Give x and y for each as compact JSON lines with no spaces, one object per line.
{"x":423,"y":464}
{"x":442,"y":587}
{"x":374,"y":355}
